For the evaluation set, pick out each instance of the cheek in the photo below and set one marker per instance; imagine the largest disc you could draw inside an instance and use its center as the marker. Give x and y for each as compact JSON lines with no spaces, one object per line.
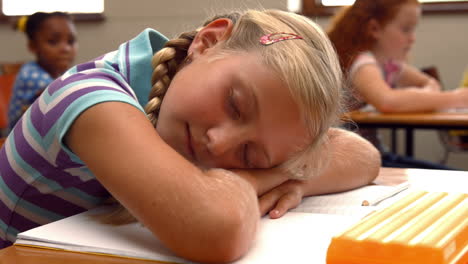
{"x":184,"y":102}
{"x":49,"y":52}
{"x":201,"y":102}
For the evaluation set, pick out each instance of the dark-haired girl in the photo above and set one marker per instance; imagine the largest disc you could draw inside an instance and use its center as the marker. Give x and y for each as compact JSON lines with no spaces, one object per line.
{"x":52,"y":40}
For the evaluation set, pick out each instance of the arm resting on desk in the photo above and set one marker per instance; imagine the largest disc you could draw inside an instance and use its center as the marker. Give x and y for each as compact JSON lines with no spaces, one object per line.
{"x":374,"y":90}
{"x":354,"y":162}
{"x":204,"y":216}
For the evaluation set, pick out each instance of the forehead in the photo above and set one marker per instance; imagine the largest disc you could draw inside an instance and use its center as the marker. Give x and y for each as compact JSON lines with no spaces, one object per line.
{"x":57,"y":24}
{"x":278,"y":121}
{"x":408,"y":13}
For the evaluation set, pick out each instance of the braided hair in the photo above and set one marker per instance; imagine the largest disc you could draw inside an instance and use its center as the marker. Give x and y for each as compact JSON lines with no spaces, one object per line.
{"x":167,"y":62}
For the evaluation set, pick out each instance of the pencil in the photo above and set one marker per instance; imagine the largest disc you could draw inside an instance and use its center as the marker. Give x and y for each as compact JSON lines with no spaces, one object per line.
{"x":397,"y":189}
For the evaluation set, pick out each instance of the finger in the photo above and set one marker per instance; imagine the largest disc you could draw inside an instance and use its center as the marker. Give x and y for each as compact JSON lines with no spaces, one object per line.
{"x":268,"y":201}
{"x":286,"y":202}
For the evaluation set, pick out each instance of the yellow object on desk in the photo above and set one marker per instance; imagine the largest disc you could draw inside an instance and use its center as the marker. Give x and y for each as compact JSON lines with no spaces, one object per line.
{"x":421,"y":228}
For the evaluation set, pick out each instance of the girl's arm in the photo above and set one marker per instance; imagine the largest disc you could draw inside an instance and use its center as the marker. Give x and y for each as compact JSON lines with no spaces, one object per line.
{"x":202,"y":216}
{"x":354,"y":162}
{"x":374,"y":90}
{"x":263,"y":180}
{"x":412,"y":77}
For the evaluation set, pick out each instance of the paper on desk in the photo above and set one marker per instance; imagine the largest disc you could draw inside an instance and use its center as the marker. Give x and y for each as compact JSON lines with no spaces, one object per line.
{"x":349,"y":202}
{"x":358,"y":211}
{"x":455,"y":110}
{"x":438,"y":180}
{"x":368,"y":108}
{"x":293,"y":238}
{"x":296,"y":238}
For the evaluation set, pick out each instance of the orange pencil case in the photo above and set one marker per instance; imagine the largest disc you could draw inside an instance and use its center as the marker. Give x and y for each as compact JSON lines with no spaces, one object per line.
{"x":421,"y":228}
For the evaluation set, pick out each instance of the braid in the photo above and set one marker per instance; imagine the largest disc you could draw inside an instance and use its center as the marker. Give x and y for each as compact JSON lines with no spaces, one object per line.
{"x":166,"y":63}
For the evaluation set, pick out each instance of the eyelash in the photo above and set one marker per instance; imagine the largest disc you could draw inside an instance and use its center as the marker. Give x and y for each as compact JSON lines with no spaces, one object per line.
{"x":233,"y":108}
{"x":236,"y":115}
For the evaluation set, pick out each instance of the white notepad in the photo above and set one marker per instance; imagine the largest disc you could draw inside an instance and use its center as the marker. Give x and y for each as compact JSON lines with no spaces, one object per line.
{"x":302,"y":235}
{"x":293,"y":238}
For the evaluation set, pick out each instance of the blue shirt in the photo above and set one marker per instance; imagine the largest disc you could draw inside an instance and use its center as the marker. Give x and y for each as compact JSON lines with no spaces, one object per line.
{"x":30,"y":81}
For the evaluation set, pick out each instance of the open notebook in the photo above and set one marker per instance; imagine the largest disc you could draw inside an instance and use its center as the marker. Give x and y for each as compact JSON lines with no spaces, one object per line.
{"x":300,"y":235}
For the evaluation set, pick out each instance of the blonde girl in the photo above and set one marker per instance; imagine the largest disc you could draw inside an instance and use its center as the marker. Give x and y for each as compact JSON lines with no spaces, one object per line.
{"x":253,"y":93}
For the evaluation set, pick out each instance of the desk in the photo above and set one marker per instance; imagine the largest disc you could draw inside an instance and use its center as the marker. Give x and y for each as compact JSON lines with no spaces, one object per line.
{"x":455,"y":180}
{"x":409,"y":122}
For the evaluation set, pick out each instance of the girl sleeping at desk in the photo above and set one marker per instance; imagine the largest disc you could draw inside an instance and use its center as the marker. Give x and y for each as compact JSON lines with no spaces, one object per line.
{"x":195,"y":137}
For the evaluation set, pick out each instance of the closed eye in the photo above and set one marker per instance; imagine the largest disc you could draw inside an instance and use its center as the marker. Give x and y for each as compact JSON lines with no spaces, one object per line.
{"x":233,"y":108}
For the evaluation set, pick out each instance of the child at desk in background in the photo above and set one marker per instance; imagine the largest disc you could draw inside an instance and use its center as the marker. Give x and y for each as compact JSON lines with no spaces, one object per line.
{"x":253,"y":92}
{"x":372,"y":39}
{"x":52,"y":40}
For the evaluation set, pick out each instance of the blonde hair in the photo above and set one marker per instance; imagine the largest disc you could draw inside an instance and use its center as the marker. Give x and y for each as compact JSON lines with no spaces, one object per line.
{"x":308,"y":67}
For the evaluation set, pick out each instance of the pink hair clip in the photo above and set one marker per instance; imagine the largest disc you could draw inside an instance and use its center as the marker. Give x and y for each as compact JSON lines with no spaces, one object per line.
{"x":269,"y":39}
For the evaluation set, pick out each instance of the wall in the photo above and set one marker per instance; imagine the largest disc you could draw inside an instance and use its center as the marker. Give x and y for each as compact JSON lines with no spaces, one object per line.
{"x":125,"y":19}
{"x":442,"y":40}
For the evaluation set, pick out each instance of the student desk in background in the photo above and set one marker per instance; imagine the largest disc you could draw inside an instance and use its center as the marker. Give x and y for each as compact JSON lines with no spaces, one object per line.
{"x":409,"y":122}
{"x":387,"y":176}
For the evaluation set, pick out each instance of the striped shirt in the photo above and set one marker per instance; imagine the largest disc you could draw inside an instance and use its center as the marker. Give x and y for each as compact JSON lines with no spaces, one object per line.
{"x":41,"y":179}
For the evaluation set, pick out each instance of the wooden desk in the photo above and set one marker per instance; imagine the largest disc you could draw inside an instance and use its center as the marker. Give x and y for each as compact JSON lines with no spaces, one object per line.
{"x":409,"y":122}
{"x":387,"y":176}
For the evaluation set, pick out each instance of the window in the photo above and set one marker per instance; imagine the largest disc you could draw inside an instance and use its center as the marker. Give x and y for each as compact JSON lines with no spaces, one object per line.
{"x":80,"y":10}
{"x":328,"y":7}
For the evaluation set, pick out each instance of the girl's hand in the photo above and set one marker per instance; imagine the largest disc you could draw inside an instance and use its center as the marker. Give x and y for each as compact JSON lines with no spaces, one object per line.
{"x":459,"y":97}
{"x":432,"y":85}
{"x":355,"y":163}
{"x":263,"y":180}
{"x":280,"y":199}
{"x":462,"y":96}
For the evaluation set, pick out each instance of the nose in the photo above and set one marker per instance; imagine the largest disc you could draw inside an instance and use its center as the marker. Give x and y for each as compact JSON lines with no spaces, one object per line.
{"x":66,"y":47}
{"x":223,"y":140}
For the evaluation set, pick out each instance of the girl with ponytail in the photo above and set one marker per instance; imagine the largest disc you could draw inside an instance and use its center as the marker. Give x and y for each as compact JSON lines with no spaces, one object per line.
{"x":51,"y":38}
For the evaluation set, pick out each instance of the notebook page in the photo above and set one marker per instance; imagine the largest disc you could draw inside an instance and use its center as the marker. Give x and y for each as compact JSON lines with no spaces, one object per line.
{"x":352,"y":198}
{"x":293,"y":238}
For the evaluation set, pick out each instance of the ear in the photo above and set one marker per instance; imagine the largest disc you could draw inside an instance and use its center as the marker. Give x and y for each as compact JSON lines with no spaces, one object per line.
{"x":374,"y":28}
{"x":216,"y":31}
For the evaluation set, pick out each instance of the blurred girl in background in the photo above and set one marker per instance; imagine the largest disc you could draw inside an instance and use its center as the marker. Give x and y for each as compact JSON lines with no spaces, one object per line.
{"x":373,"y":39}
{"x":52,"y":40}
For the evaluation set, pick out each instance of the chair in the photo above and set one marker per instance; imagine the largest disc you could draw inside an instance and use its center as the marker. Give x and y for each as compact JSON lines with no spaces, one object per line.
{"x":6,"y":85}
{"x":454,"y":141}
{"x":8,"y":73}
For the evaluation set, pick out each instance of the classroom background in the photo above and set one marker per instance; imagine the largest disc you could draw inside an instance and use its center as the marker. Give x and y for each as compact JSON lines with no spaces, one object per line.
{"x":442,"y":41}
